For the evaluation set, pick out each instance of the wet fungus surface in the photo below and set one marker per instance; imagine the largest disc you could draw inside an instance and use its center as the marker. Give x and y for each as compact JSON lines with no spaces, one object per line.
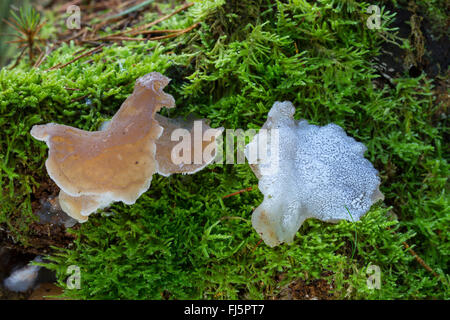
{"x":316,"y":172}
{"x":94,"y":169}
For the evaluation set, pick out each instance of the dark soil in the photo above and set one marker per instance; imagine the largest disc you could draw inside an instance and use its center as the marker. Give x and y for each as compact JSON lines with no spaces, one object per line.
{"x":45,"y":291}
{"x":318,"y":289}
{"x":443,"y":100}
{"x":429,"y":54}
{"x":48,"y":231}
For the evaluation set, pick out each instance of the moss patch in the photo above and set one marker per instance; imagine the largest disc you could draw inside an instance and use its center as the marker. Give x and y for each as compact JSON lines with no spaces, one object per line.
{"x":181,"y":239}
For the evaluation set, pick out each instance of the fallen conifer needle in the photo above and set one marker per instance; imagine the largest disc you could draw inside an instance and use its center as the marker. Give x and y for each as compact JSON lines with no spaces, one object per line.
{"x":167,"y":36}
{"x":58,"y":66}
{"x":136,"y":30}
{"x":237,"y":192}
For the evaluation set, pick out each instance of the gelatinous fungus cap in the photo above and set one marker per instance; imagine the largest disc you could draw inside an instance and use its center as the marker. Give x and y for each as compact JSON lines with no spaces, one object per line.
{"x":94,"y":169}
{"x":320,"y":173}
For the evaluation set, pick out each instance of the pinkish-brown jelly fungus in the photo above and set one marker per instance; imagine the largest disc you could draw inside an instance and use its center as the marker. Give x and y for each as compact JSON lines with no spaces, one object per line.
{"x":96,"y":168}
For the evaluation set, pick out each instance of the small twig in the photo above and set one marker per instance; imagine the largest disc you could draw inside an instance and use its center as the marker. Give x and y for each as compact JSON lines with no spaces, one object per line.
{"x":420,"y":260}
{"x":237,"y":192}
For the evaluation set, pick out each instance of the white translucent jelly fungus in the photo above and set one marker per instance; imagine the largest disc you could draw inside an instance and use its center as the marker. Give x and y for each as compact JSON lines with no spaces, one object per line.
{"x":24,"y":278}
{"x":321,"y":173}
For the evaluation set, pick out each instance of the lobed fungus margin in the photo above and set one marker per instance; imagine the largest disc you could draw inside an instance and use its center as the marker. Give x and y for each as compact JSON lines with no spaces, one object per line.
{"x":319,"y":172}
{"x":94,"y":169}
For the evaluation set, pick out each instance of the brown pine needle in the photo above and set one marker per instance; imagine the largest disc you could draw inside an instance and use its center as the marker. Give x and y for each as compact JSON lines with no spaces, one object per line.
{"x":17,"y":41}
{"x":172,"y":35}
{"x":24,"y":40}
{"x":58,"y":66}
{"x":146,"y":26}
{"x":420,"y":260}
{"x":120,"y":38}
{"x":14,"y":25}
{"x":80,"y":52}
{"x":44,"y":56}
{"x":158,"y":31}
{"x":39,"y":27}
{"x":73,"y":37}
{"x":237,"y":192}
{"x":39,"y":59}
{"x":259,"y":242}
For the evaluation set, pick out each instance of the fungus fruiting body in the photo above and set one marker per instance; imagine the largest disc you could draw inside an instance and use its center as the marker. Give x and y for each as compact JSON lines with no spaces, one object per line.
{"x":320,"y":173}
{"x":21,"y":280}
{"x":94,"y":169}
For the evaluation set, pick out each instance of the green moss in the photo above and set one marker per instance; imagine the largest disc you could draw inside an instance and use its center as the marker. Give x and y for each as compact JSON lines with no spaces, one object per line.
{"x":181,"y":239}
